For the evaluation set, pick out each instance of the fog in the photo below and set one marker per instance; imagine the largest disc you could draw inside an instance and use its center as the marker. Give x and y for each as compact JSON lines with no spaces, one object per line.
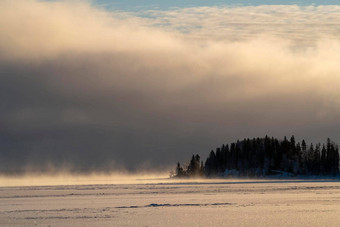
{"x":83,"y":89}
{"x":65,"y":178}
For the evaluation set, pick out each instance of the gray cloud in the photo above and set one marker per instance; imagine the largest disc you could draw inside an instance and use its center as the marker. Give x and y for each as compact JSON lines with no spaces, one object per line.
{"x":84,"y":89}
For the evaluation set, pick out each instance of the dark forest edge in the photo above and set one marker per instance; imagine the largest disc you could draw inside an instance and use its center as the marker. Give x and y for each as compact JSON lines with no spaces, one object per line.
{"x":265,"y":157}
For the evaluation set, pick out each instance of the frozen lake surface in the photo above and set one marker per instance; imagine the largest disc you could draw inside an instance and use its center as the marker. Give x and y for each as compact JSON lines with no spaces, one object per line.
{"x":175,"y":203}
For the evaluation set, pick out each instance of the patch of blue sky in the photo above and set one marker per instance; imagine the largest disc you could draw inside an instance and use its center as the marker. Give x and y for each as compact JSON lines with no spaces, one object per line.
{"x":140,"y":5}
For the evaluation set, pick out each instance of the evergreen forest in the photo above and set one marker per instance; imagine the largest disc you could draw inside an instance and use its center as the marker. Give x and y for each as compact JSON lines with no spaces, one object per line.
{"x":259,"y":157}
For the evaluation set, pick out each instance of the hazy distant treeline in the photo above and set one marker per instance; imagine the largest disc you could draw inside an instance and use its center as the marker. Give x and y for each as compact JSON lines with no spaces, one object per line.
{"x":265,"y":156}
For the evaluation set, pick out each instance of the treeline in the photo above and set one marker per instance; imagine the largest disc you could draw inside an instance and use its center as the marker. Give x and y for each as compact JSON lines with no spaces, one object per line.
{"x":264,"y":157}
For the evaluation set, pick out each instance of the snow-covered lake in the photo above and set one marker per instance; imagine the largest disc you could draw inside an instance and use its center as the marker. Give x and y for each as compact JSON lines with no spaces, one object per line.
{"x":175,"y":203}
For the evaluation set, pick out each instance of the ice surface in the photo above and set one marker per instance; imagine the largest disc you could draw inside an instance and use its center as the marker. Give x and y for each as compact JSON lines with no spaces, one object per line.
{"x":175,"y":203}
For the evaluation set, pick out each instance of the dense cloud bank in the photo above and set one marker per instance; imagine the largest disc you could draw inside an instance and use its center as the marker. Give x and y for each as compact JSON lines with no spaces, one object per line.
{"x":85,"y":89}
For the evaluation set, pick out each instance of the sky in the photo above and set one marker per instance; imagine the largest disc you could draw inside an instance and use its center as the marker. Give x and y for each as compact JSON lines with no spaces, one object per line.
{"x":140,"y":5}
{"x":88,"y":86}
{"x":132,"y":5}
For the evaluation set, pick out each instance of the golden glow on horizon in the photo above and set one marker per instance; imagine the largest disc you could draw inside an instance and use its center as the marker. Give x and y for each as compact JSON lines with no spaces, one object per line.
{"x":80,"y":179}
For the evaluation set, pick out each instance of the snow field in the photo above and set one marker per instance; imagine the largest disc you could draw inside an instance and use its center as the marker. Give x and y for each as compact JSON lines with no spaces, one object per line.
{"x":175,"y":203}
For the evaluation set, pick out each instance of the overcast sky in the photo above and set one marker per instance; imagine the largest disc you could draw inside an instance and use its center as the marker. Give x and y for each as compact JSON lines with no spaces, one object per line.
{"x":90,"y":88}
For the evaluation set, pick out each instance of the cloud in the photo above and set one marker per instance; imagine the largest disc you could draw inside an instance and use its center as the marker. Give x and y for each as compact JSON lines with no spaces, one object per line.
{"x":90,"y":90}
{"x":302,"y":24}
